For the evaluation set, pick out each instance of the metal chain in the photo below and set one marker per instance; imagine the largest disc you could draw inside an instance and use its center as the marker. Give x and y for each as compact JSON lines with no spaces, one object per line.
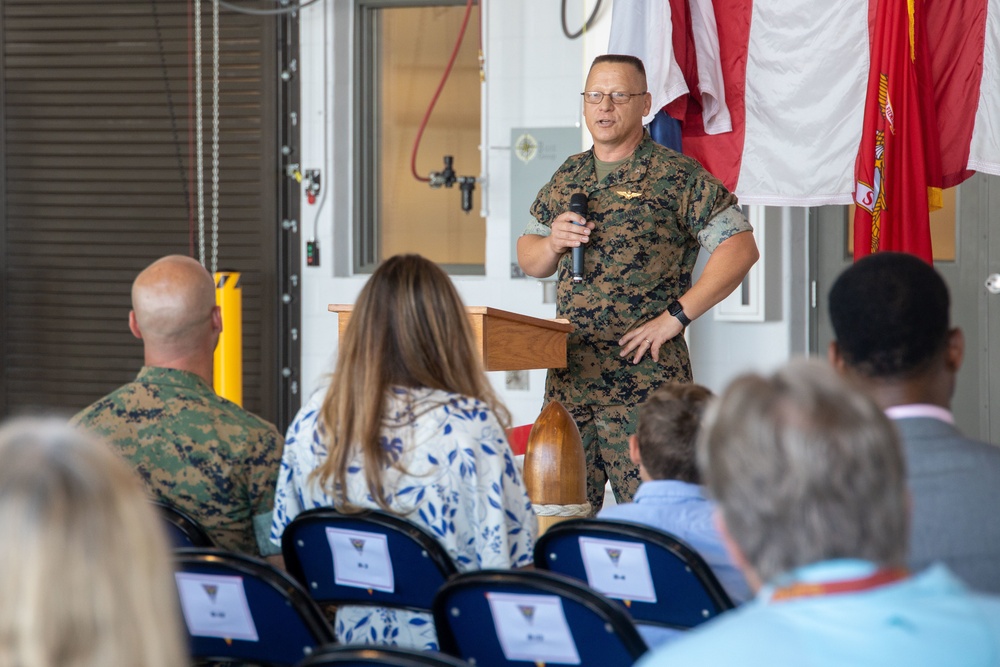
{"x":215,"y":136}
{"x":198,"y":138}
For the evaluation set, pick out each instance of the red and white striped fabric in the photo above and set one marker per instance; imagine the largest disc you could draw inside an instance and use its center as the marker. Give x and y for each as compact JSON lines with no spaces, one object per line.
{"x":643,"y":26}
{"x":795,"y":74}
{"x":984,"y":154}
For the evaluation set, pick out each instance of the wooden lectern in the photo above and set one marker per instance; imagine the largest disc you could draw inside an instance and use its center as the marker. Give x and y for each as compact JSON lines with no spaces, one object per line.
{"x":507,"y":341}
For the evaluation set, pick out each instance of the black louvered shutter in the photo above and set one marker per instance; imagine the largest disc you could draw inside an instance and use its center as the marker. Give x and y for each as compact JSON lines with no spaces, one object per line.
{"x":97,"y":182}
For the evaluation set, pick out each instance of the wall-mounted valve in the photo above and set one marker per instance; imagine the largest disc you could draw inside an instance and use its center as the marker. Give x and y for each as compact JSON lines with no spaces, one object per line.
{"x":467,"y":185}
{"x":447,"y":178}
{"x":311,"y":184}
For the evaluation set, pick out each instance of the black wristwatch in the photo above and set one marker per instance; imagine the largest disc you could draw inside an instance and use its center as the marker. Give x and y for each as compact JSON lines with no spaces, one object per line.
{"x":677,"y":310}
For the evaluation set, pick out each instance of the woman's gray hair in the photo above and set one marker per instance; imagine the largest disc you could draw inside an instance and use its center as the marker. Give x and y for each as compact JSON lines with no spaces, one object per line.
{"x":805,"y":469}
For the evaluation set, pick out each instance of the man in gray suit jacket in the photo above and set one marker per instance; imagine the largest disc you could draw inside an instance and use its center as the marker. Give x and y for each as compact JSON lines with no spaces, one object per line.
{"x":894,"y":340}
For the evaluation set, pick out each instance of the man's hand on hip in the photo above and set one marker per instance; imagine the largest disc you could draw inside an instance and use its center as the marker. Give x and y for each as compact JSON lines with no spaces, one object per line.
{"x":649,"y":336}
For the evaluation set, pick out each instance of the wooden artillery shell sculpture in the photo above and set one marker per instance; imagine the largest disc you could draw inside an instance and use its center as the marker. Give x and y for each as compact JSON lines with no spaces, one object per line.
{"x":555,"y":469}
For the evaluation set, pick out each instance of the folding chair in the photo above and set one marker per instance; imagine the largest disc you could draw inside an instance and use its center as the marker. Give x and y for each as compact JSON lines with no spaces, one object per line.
{"x":182,"y":529}
{"x":240,"y":609}
{"x":384,"y":656}
{"x":496,"y":618}
{"x":373,"y":558}
{"x":662,"y":580}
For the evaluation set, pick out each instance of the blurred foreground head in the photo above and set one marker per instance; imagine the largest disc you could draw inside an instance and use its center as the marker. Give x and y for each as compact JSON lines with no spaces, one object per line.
{"x":805,"y":469}
{"x":85,"y":572}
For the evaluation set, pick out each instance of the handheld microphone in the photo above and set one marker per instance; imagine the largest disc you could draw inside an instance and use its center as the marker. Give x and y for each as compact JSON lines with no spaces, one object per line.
{"x":578,"y":205}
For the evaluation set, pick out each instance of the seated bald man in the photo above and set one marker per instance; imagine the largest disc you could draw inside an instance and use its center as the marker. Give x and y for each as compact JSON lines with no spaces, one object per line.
{"x":193,"y":449}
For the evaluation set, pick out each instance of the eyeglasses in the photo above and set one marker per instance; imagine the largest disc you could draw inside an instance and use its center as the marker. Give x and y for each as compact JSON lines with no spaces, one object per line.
{"x":596,"y":97}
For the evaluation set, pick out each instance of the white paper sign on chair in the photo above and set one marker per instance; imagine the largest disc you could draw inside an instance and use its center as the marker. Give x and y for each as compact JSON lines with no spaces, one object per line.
{"x":215,"y":606}
{"x":619,"y":570}
{"x":533,"y":628}
{"x":361,"y":559}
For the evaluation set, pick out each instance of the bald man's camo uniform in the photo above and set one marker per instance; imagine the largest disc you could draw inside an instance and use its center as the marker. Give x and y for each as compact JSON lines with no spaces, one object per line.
{"x":651,"y":214}
{"x":196,"y":451}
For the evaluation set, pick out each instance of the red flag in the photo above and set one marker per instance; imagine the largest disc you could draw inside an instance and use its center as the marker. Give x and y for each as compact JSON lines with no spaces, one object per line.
{"x":899,"y":156}
{"x":956,"y":40}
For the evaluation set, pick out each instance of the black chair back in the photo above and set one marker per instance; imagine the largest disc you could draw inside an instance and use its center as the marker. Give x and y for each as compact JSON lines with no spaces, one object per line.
{"x":685,"y":591}
{"x":241,"y":609}
{"x":381,"y":656}
{"x":182,"y":529}
{"x":498,"y":618}
{"x":417,"y":563}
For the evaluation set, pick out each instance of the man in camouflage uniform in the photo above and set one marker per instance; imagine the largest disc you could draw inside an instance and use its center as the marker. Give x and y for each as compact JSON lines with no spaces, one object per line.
{"x":192,"y":448}
{"x":649,"y":211}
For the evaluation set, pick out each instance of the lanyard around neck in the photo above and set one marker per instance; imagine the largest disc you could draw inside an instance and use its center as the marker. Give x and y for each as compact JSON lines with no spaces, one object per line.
{"x":802,"y":589}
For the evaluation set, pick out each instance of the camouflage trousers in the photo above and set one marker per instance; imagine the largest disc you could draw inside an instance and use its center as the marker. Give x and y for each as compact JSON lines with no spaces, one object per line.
{"x":604,"y":430}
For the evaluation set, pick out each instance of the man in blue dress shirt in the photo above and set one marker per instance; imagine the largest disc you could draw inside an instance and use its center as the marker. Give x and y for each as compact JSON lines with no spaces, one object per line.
{"x":670,"y":496}
{"x":811,"y":485}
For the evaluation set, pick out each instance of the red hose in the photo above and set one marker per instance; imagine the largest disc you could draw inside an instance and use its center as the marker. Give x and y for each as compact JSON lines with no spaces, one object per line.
{"x":437,"y":93}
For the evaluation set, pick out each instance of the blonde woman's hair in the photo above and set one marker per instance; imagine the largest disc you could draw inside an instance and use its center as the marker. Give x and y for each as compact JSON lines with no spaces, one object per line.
{"x":85,"y":572}
{"x":408,"y":329}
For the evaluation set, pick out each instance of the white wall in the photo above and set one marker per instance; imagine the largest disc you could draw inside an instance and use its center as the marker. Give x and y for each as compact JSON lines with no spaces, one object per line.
{"x":721,"y":350}
{"x":534,"y":77}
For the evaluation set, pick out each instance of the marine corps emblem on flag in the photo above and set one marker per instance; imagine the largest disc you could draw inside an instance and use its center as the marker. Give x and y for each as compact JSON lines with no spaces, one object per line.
{"x":884,"y":103}
{"x":870,"y":197}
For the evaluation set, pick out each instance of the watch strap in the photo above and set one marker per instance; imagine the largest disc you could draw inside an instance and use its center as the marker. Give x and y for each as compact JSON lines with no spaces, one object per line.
{"x":677,"y":310}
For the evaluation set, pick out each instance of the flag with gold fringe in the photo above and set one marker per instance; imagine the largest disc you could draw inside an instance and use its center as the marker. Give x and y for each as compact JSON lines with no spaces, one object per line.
{"x":898,"y":169}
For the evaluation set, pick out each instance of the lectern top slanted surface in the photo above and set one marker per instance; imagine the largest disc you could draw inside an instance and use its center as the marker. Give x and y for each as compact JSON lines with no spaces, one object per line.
{"x":506,"y":341}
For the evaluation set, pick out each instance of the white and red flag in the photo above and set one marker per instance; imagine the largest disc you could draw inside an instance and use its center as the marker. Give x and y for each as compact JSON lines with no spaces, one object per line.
{"x":795,"y":78}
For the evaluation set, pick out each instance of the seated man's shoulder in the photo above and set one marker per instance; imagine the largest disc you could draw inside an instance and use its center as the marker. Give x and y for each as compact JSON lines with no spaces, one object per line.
{"x":255,"y":422}
{"x":951,"y":453}
{"x":663,"y":504}
{"x":229,"y":417}
{"x":744,"y":636}
{"x":659,"y":518}
{"x":91,"y":416}
{"x":623,"y":512}
{"x":120,"y":414}
{"x":983,"y":451}
{"x":988,"y":608}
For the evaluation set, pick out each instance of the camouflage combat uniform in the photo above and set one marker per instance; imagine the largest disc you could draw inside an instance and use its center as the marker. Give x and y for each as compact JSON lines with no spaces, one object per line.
{"x":651,"y":216}
{"x":196,"y":451}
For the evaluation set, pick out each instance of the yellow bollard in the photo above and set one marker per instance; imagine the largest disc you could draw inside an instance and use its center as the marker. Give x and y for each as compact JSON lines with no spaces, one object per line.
{"x":229,"y":352}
